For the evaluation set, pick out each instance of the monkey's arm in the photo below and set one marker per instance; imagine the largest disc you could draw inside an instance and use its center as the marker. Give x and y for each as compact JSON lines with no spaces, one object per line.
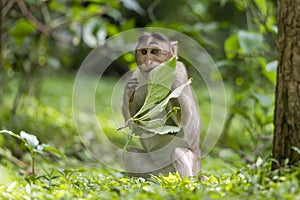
{"x":128,"y":98}
{"x":134,"y":94}
{"x":187,"y":160}
{"x":189,"y":119}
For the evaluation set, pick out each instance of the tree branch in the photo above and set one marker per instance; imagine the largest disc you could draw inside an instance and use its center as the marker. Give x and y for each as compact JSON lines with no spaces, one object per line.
{"x":66,"y":22}
{"x":40,"y":26}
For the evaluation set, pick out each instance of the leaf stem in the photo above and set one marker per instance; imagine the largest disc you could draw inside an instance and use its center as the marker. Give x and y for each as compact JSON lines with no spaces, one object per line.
{"x":126,"y":124}
{"x":129,"y":139}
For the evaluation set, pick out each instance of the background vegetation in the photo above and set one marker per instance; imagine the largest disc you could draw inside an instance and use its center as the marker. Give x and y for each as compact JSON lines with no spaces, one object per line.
{"x":43,"y":44}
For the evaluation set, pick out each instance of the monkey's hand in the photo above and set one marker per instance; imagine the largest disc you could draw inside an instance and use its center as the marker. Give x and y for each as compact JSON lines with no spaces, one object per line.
{"x":130,"y":88}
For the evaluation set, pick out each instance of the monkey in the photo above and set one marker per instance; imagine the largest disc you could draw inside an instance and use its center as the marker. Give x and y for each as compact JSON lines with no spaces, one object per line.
{"x":170,"y":152}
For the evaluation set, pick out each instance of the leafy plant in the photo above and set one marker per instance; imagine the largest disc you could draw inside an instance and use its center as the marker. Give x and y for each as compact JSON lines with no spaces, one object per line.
{"x":149,"y":120}
{"x":151,"y":117}
{"x":159,"y":83}
{"x":250,"y":70}
{"x":232,"y":182}
{"x":32,"y":144}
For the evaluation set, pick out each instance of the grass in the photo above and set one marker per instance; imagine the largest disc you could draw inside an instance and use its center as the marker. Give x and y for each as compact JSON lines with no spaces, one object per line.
{"x":99,"y":183}
{"x":80,"y":176}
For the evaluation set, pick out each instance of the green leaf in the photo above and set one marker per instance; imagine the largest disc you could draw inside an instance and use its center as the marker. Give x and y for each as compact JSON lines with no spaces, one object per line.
{"x":160,"y":80}
{"x":93,"y":9}
{"x":262,"y":5}
{"x":223,"y":2}
{"x":232,"y":47}
{"x":264,"y":100}
{"x":155,"y":123}
{"x":150,"y":123}
{"x":159,"y":84}
{"x":249,"y":41}
{"x":50,"y":149}
{"x":296,"y":149}
{"x":53,"y":62}
{"x":31,"y":139}
{"x":22,"y":29}
{"x":158,"y":122}
{"x":162,"y":105}
{"x":94,"y":33}
{"x":133,"y":5}
{"x":162,"y":130}
{"x":269,"y":71}
{"x":12,"y":134}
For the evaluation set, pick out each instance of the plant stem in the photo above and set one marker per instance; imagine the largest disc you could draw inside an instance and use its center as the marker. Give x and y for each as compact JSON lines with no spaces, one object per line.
{"x":32,"y":162}
{"x":129,"y":139}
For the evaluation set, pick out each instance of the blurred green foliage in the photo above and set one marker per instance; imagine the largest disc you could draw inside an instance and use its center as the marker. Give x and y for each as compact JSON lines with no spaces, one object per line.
{"x":44,"y":42}
{"x":40,"y":37}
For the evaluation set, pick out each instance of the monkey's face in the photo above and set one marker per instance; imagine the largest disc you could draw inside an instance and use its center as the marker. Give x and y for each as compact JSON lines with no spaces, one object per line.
{"x":150,"y":56}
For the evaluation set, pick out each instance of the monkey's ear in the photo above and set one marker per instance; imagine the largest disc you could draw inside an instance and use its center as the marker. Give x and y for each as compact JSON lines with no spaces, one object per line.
{"x":174,"y":48}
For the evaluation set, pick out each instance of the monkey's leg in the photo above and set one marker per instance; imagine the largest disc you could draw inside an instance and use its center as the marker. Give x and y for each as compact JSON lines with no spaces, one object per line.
{"x":183,"y":160}
{"x":138,"y":163}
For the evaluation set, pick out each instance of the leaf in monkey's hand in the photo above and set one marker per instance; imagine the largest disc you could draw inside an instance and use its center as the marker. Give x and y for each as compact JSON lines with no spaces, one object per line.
{"x":150,"y":124}
{"x":163,"y":104}
{"x":149,"y":118}
{"x":158,"y":122}
{"x":166,"y":129}
{"x":159,"y":84}
{"x":159,"y":126}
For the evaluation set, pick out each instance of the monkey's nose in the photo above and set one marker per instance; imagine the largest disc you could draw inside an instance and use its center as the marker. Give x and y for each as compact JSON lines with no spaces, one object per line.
{"x":148,"y":62}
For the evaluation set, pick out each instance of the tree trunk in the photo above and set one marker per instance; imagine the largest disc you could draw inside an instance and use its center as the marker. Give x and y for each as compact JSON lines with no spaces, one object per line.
{"x":1,"y":58}
{"x":287,"y":104}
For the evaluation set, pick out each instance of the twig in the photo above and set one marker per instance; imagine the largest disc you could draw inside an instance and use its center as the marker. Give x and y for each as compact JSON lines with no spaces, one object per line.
{"x":60,"y":24}
{"x":151,"y":8}
{"x":66,"y":22}
{"x":7,"y":6}
{"x":40,"y":26}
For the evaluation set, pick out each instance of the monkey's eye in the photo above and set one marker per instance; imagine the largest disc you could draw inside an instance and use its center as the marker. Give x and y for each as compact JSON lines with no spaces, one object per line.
{"x":154,"y":51}
{"x":144,"y":51}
